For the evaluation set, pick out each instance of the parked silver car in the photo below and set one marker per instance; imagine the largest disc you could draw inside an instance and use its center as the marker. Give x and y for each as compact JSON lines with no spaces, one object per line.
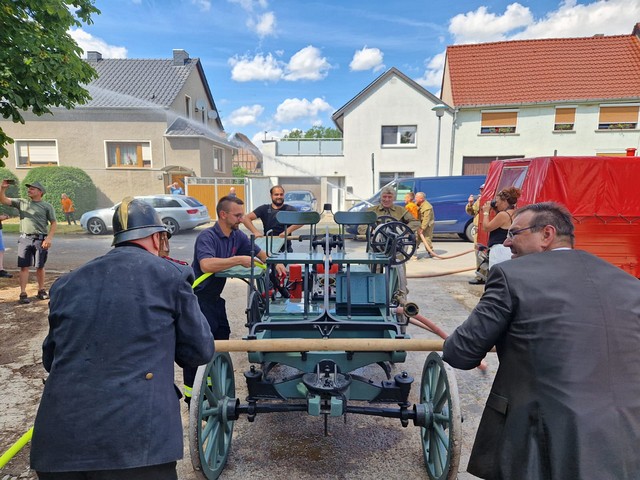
{"x":178,"y":212}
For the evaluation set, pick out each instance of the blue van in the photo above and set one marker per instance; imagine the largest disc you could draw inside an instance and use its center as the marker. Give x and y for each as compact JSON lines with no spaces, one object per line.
{"x":447,"y":195}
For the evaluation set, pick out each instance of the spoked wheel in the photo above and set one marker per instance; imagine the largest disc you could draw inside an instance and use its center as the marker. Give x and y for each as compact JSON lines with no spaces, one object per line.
{"x":211,"y":418}
{"x":441,"y":437}
{"x":395,"y":239}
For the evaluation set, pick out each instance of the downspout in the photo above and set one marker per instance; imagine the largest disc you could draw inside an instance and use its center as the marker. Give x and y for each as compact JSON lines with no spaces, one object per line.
{"x":453,"y":140}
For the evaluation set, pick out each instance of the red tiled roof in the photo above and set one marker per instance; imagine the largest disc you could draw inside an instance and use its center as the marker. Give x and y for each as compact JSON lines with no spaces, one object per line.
{"x":531,"y":71}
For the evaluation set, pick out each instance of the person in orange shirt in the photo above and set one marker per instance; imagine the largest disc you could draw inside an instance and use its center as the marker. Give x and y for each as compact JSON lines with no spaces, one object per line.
{"x":410,"y":204}
{"x":68,"y":209}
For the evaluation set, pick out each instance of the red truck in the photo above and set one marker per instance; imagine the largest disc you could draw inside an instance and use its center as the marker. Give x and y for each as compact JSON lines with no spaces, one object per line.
{"x":602,"y":194}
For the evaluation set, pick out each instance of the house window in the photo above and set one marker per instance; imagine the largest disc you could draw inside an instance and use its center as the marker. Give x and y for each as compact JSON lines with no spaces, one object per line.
{"x":399,"y":135}
{"x":387,"y":177}
{"x":187,"y":106}
{"x":218,"y":159}
{"x":618,"y":118}
{"x":128,"y":154}
{"x":565,"y":119}
{"x":503,"y":121}
{"x":36,"y":153}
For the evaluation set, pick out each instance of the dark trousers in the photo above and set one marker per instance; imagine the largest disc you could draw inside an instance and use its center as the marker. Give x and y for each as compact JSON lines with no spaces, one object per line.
{"x":165,"y":471}
{"x":216,"y":314}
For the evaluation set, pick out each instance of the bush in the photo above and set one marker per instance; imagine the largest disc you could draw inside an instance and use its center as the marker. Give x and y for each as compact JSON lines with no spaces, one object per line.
{"x":12,"y":191}
{"x":58,"y":180}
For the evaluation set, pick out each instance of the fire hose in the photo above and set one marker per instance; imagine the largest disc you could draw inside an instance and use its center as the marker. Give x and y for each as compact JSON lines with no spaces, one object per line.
{"x":442,"y":257}
{"x":411,"y":311}
{"x":16,"y":447}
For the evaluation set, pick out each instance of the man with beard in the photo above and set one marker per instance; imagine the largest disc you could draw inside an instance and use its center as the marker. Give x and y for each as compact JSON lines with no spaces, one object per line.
{"x":267,"y":215}
{"x":216,"y":249}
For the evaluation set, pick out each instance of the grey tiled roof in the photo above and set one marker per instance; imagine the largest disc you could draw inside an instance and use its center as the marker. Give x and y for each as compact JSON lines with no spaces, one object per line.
{"x":137,"y":82}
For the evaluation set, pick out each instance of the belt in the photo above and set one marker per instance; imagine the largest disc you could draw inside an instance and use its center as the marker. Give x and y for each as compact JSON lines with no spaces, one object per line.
{"x":37,"y":236}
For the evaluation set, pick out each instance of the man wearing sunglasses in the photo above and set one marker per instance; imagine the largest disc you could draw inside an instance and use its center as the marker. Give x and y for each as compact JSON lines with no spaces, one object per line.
{"x":565,"y":402}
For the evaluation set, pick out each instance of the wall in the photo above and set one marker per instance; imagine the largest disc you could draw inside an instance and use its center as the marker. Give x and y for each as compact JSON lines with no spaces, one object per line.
{"x":392,"y":102}
{"x":535,"y":136}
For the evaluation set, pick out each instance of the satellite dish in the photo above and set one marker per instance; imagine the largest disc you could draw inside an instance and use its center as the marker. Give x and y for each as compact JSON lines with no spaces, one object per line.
{"x":212,"y":114}
{"x":200,"y":104}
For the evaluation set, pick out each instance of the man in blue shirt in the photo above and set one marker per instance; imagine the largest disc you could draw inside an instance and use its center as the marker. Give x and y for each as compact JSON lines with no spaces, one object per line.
{"x":218,"y":248}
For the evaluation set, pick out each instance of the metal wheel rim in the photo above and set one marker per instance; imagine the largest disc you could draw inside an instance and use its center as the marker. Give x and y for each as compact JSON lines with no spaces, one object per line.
{"x":385,"y":234}
{"x":210,"y":430}
{"x":441,"y":438}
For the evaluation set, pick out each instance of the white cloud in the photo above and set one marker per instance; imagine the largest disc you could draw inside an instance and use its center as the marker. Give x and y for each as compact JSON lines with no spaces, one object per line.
{"x":307,"y":64}
{"x":481,"y":26}
{"x":432,"y":77}
{"x":88,"y":42}
{"x":609,"y":17}
{"x":367,"y":59}
{"x":270,"y":135}
{"x":264,"y":25}
{"x":203,"y":5}
{"x":248,"y":5}
{"x":260,"y":67}
{"x":295,"y":108}
{"x":244,"y":116}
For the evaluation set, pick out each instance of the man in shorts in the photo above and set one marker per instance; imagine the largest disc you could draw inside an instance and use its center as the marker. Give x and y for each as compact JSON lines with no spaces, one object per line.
{"x":37,"y":228}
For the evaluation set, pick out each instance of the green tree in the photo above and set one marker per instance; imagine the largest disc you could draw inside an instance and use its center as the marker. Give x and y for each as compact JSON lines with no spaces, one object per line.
{"x":40,"y":64}
{"x":314,"y":132}
{"x":323,"y":132}
{"x":58,"y":180}
{"x":238,"y":171}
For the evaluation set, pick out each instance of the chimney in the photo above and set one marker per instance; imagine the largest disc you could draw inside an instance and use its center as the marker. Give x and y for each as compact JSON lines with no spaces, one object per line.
{"x":94,"y":56}
{"x":180,"y":57}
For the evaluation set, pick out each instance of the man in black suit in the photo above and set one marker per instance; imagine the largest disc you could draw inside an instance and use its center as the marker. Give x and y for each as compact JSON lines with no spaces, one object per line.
{"x":565,"y":402}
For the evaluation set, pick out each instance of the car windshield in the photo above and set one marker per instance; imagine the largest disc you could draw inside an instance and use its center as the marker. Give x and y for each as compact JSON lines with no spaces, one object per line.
{"x":297,"y":197}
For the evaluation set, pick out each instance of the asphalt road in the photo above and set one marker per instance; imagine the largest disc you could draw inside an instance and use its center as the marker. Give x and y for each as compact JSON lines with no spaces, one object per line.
{"x":293,"y":445}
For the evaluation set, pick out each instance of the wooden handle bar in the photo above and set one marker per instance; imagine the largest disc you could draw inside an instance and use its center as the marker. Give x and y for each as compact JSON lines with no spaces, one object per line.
{"x":329,"y":344}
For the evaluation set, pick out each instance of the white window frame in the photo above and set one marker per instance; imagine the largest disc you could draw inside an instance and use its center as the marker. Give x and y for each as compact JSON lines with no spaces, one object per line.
{"x":500,"y":129}
{"x":617,"y":126}
{"x":218,"y":163}
{"x":30,"y":143}
{"x":145,"y":145}
{"x":400,"y":129}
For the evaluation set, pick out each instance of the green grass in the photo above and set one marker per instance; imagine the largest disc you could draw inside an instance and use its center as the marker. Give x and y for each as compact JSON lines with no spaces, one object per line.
{"x":13,"y":226}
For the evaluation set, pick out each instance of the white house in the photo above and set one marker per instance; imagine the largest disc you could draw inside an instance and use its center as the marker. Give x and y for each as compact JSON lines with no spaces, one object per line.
{"x":389,"y":130}
{"x":527,"y":98}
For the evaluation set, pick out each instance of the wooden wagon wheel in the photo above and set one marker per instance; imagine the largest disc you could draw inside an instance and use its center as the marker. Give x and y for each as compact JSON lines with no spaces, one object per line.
{"x":441,"y":437}
{"x":210,"y":419}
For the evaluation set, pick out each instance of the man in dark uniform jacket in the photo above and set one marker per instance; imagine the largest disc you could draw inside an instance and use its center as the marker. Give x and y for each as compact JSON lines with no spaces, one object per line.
{"x":565,"y":402}
{"x":116,"y":326}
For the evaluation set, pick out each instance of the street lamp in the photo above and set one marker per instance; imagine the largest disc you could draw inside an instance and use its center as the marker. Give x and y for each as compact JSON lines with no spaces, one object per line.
{"x":439,"y":109}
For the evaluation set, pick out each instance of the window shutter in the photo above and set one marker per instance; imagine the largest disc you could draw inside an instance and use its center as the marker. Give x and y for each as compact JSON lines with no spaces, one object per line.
{"x":499,"y":119}
{"x":625,"y":114}
{"x":565,"y":115}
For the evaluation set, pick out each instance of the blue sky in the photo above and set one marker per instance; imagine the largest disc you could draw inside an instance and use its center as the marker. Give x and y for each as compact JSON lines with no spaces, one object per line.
{"x":276,"y":65}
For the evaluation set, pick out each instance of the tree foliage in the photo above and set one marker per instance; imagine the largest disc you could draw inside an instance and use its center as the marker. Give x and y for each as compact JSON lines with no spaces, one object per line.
{"x":238,"y":171}
{"x":58,"y":180}
{"x":314,"y":132}
{"x":40,"y":64}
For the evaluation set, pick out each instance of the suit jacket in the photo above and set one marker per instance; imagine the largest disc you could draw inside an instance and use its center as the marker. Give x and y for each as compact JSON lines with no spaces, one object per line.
{"x":565,"y":402}
{"x":116,"y":326}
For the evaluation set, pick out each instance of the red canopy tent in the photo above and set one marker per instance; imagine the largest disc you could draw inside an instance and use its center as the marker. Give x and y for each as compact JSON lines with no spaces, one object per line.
{"x":601,"y":193}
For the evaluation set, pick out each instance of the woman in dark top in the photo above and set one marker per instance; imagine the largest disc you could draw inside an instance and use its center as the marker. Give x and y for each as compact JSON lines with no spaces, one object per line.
{"x":498,"y":226}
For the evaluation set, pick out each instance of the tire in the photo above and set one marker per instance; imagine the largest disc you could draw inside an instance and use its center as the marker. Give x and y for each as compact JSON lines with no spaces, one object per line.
{"x":171,"y":225}
{"x":95,"y":226}
{"x":469,"y":232}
